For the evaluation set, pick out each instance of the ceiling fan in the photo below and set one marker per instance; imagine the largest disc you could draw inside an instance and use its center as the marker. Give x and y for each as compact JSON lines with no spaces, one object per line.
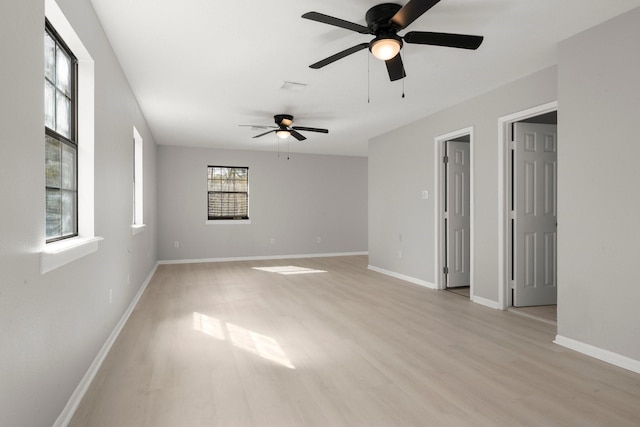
{"x":384,"y":21}
{"x":284,"y":129}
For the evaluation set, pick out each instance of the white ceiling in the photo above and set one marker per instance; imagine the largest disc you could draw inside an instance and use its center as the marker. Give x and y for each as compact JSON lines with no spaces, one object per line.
{"x":200,"y":68}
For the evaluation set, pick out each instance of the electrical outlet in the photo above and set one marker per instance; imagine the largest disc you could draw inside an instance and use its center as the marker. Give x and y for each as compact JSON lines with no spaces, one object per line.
{"x":176,"y":244}
{"x":318,"y":239}
{"x":273,"y":241}
{"x":110,"y":295}
{"x":128,"y":279}
{"x":399,"y":254}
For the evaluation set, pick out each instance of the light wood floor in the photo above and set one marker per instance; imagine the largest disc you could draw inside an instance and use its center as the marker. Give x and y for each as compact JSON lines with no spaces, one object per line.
{"x":223,"y":344}
{"x":547,"y":313}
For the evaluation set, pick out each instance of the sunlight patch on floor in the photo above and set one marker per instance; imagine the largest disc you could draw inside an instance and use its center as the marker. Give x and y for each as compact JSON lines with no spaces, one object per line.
{"x":253,"y":342}
{"x":289,"y":269}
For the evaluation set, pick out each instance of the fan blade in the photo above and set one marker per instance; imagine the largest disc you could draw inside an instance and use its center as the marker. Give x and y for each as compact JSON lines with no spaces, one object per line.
{"x":297,"y":135}
{"x":462,"y":41}
{"x":256,"y":127}
{"x":263,"y":134}
{"x":395,"y":68}
{"x":412,"y":11}
{"x":339,"y":55}
{"x":310,"y":129}
{"x":337,"y":22}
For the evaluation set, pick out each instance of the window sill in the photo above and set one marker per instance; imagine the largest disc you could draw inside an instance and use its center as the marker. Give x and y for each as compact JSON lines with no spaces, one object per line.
{"x":227,"y":221}
{"x":137,"y":228}
{"x":57,"y":254}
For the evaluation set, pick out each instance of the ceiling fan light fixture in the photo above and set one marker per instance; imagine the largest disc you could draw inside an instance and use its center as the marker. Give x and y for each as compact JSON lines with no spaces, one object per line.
{"x":283,"y":133}
{"x":385,"y":47}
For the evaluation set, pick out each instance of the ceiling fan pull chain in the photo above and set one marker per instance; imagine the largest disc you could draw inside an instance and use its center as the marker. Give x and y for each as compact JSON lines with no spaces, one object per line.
{"x":402,"y":88}
{"x":405,"y":77}
{"x":368,"y":78}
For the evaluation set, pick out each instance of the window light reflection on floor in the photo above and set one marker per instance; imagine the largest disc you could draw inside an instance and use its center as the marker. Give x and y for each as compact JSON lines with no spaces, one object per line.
{"x":208,"y":325}
{"x":289,"y":269}
{"x":253,"y":342}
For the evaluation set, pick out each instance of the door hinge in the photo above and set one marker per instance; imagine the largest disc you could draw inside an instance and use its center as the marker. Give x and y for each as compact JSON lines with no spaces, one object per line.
{"x":445,"y":159}
{"x":445,"y":270}
{"x":512,"y":284}
{"x":512,"y":144}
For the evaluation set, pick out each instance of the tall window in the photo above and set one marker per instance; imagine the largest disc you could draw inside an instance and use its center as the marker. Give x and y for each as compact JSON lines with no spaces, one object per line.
{"x":61,"y":149}
{"x":228,"y":193}
{"x":138,"y":199}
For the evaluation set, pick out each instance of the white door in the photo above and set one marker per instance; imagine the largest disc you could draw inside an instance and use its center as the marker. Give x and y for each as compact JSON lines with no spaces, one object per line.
{"x":535,"y":215}
{"x":457,"y":214}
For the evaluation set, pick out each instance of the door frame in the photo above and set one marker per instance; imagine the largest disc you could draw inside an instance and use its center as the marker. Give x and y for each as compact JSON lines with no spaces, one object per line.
{"x":504,"y":196}
{"x":438,"y":151}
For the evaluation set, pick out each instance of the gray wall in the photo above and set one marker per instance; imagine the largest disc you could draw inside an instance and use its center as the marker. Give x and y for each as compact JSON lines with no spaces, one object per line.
{"x":401,"y":165}
{"x":598,"y":176}
{"x":292,"y":201}
{"x":53,"y":325}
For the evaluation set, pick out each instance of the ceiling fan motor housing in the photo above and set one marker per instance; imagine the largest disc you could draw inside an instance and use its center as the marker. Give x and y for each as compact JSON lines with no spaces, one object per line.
{"x":379,"y":18}
{"x":283,"y":119}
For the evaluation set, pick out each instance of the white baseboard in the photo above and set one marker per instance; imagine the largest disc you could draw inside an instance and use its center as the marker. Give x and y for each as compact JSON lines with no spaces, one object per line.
{"x":260,"y":258}
{"x":599,"y":353}
{"x":402,"y":277}
{"x":486,"y":302}
{"x":72,"y":404}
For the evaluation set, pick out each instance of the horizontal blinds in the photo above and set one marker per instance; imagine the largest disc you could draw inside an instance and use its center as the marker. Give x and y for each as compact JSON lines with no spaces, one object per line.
{"x":228,"y":196}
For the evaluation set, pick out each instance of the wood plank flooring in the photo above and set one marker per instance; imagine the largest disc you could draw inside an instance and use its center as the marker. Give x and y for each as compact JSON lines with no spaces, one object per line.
{"x":546,"y":313}
{"x":543,"y":312}
{"x":224,"y":344}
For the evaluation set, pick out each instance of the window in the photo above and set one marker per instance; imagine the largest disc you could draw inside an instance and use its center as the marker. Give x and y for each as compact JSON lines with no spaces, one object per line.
{"x":61,"y":149}
{"x":228,"y":193}
{"x":138,"y":213}
{"x":69,"y":246}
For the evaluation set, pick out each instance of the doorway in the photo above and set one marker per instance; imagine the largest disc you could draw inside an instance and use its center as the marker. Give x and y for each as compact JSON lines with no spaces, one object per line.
{"x":527,"y":212}
{"x":454,"y":211}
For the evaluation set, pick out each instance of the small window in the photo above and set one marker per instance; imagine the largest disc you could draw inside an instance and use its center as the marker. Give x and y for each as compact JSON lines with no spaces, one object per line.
{"x":228,"y":193}
{"x":138,"y":199}
{"x":61,"y":148}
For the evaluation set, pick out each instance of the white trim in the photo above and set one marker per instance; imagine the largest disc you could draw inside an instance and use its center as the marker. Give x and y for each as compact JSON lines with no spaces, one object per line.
{"x":259,"y":258}
{"x":137,"y":228}
{"x":504,"y":191}
{"x":60,"y":253}
{"x":439,"y":232}
{"x":438,"y":170}
{"x":403,"y":277}
{"x":72,"y":404}
{"x":227,"y":221}
{"x":599,"y":353}
{"x":486,"y":302}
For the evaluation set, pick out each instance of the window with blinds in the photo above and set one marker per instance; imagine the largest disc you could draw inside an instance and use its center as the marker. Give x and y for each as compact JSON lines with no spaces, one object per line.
{"x":228,"y":193}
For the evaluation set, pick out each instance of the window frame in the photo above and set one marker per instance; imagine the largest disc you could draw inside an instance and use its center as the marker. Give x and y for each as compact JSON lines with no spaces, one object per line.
{"x":228,"y":219}
{"x":72,"y":140}
{"x":138,"y":224}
